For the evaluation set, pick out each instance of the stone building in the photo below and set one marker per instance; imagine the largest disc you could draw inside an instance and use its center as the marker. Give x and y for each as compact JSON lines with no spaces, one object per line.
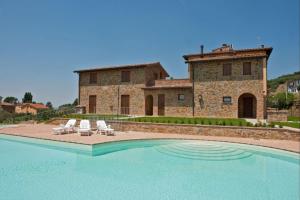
{"x":30,"y":108}
{"x":224,"y":83}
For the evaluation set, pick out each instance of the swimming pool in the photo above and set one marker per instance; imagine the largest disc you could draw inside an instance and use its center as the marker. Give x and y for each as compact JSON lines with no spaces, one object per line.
{"x":145,"y":169}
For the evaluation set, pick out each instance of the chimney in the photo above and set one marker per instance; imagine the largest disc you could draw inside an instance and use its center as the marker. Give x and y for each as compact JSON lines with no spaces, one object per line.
{"x":202,"y":48}
{"x":262,"y":46}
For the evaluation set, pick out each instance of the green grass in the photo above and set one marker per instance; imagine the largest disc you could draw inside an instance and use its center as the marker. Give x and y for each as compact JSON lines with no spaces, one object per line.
{"x":295,"y":119}
{"x":187,"y":120}
{"x":289,"y":124}
{"x":93,"y":116}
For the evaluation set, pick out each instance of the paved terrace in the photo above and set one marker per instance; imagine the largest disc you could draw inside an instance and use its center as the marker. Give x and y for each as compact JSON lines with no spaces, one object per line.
{"x":44,"y":131}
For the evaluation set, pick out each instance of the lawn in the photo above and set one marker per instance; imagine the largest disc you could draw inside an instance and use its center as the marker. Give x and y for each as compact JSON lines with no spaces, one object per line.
{"x":295,"y":119}
{"x":289,"y":124}
{"x":186,"y":120}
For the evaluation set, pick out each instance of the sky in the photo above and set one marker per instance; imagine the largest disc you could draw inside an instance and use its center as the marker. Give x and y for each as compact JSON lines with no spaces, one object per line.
{"x":42,"y":42}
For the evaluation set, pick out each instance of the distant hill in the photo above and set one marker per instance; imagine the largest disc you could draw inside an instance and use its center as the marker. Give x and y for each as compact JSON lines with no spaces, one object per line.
{"x":274,"y":83}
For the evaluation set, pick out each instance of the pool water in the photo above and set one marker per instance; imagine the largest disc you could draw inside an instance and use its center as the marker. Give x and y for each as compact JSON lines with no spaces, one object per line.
{"x":147,"y":169}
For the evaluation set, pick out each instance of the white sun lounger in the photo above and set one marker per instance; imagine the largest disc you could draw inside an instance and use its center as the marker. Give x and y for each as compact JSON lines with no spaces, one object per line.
{"x":68,"y":128}
{"x":103,"y":128}
{"x":85,"y":128}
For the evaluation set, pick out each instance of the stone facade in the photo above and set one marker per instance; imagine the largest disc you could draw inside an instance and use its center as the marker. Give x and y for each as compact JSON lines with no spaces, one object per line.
{"x":206,"y":93}
{"x":211,"y":86}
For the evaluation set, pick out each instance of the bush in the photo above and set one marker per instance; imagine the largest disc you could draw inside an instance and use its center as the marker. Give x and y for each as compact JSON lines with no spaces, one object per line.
{"x":281,"y":100}
{"x":4,"y":115}
{"x":280,"y":126}
{"x":230,"y":123}
{"x":209,"y":122}
{"x":224,"y":123}
{"x":240,"y":123}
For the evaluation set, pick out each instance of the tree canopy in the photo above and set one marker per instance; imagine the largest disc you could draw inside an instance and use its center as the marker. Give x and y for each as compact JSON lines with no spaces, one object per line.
{"x":49,"y":105}
{"x":10,"y":99}
{"x":27,"y":97}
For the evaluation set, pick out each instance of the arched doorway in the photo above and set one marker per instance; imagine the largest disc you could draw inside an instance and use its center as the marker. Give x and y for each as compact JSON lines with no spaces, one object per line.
{"x":247,"y":106}
{"x":149,"y":105}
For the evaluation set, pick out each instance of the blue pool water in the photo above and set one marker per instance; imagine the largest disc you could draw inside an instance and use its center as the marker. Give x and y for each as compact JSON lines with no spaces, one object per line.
{"x":145,"y":169}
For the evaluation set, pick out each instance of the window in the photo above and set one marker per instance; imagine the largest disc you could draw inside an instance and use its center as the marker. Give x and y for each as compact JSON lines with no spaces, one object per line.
{"x":125,"y":76}
{"x":227,"y":100}
{"x":247,"y":68}
{"x":180,"y":97}
{"x":93,"y":77}
{"x":227,"y":69}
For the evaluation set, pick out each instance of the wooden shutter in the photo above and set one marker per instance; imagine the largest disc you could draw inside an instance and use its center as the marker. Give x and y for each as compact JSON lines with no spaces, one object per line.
{"x":247,"y":68}
{"x":93,"y":77}
{"x":125,"y":76}
{"x":227,"y":69}
{"x":92,"y":104}
{"x":125,"y":104}
{"x":161,"y":104}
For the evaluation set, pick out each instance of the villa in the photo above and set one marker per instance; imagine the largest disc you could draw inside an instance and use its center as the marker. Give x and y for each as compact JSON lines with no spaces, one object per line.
{"x":224,"y":83}
{"x":30,"y":108}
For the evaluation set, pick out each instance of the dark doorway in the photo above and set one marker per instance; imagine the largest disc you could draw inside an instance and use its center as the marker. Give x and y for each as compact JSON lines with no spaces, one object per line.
{"x":247,"y":106}
{"x":149,"y":105}
{"x":92,"y":104}
{"x":161,"y":104}
{"x":125,"y":104}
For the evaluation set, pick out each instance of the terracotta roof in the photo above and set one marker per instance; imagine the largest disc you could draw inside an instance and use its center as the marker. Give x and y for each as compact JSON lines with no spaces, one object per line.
{"x":229,"y":53}
{"x":35,"y":105}
{"x":6,"y":104}
{"x":122,"y":67}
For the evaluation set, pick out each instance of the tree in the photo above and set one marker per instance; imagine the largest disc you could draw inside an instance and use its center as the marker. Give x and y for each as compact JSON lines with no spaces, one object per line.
{"x":12,"y":100}
{"x":281,"y":100}
{"x":75,"y":103}
{"x":49,"y":105}
{"x":27,"y":97}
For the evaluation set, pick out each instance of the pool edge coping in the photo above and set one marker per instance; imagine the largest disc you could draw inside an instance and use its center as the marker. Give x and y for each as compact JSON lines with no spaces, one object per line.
{"x":163,"y":138}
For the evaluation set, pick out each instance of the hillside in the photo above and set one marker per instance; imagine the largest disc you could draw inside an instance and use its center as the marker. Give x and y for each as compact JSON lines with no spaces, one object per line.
{"x":274,"y":83}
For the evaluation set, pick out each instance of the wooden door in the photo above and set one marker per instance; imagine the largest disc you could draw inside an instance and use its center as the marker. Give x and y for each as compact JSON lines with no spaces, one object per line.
{"x":149,"y":105}
{"x":125,"y":104}
{"x":92,"y":104}
{"x":161,"y":104}
{"x":248,"y":107}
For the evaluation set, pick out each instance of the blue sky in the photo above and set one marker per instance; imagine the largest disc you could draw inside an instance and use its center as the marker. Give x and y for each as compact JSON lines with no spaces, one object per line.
{"x":42,"y":42}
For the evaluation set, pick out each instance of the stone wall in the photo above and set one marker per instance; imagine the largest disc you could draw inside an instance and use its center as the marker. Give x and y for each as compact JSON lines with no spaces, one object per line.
{"x":275,"y":115}
{"x":226,"y":131}
{"x":211,"y":86}
{"x":173,"y":107}
{"x":109,"y":87}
